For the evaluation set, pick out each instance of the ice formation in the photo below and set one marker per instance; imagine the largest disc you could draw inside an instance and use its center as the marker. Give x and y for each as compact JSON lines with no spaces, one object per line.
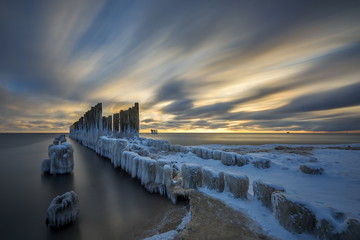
{"x":274,"y":185}
{"x":191,"y":174}
{"x":236,"y":184}
{"x":263,"y":192}
{"x":228,"y":158}
{"x":63,"y":210}
{"x":213,"y":180}
{"x":60,"y":159}
{"x":261,"y":163}
{"x":293,"y":215}
{"x":169,"y":235}
{"x":111,"y":148}
{"x":311,"y":169}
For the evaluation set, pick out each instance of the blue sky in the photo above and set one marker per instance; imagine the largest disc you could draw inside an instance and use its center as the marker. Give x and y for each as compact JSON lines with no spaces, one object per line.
{"x":203,"y":66}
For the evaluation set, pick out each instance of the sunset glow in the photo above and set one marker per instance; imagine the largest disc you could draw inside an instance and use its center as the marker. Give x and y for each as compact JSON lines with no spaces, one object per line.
{"x":193,"y":66}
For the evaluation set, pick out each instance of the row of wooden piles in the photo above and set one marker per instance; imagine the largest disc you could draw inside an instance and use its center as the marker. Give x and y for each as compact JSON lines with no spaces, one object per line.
{"x":126,"y":122}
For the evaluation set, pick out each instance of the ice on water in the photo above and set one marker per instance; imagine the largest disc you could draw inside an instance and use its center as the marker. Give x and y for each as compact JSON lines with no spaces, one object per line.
{"x":61,"y":159}
{"x":63,"y":210}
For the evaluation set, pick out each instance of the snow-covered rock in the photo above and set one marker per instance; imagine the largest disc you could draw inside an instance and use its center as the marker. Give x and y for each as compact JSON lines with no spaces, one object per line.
{"x":212,"y":179}
{"x":207,"y":153}
{"x":311,"y":169}
{"x":261,"y":163}
{"x":199,"y":152}
{"x":236,"y":184}
{"x":242,"y":160}
{"x":162,"y":145}
{"x":263,"y":192}
{"x":217,"y":154}
{"x":191,"y":174}
{"x":293,"y":215}
{"x":228,"y":158}
{"x":63,"y":210}
{"x":175,"y":148}
{"x":202,"y":152}
{"x":325,"y":230}
{"x":184,"y":149}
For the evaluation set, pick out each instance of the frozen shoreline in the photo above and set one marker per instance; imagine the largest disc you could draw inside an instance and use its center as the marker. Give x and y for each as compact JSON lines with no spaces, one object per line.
{"x":335,"y":191}
{"x":332,"y":196}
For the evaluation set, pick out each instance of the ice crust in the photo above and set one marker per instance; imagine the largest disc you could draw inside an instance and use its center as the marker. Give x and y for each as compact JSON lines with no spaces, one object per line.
{"x":169,"y":235}
{"x":192,"y":177}
{"x":213,"y":180}
{"x":63,"y":210}
{"x":61,"y":158}
{"x":236,"y":184}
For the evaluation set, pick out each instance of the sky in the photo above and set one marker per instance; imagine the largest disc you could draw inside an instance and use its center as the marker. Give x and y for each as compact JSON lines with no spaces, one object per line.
{"x":198,"y":66}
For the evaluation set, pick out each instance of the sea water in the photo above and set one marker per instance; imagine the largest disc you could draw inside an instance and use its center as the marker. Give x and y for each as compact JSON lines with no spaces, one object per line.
{"x":189,"y":139}
{"x":112,"y":205}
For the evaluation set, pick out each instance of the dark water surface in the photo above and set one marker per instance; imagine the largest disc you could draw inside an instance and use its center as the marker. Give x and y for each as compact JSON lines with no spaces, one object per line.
{"x":255,"y":138}
{"x":112,"y":205}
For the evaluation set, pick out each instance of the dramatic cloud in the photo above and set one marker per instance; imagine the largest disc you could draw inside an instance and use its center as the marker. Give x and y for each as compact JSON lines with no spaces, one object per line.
{"x":192,"y":65}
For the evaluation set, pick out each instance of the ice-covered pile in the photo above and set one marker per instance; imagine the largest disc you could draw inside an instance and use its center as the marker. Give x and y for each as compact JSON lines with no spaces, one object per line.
{"x":60,"y":159}
{"x":63,"y":210}
{"x":311,"y":191}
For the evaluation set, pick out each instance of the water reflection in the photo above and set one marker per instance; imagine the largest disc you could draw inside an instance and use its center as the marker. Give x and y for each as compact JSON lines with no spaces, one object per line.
{"x":56,"y":185}
{"x":112,"y":205}
{"x":255,"y":138}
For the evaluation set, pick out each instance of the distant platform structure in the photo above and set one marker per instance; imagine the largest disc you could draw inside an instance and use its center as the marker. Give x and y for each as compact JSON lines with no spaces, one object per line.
{"x":154,"y":131}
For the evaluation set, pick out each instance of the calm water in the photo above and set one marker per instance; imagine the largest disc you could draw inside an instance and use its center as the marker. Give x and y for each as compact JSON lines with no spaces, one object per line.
{"x":112,"y":205}
{"x":254,"y":139}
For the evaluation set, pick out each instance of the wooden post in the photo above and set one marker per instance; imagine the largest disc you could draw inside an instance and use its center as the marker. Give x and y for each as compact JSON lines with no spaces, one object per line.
{"x":116,"y":122}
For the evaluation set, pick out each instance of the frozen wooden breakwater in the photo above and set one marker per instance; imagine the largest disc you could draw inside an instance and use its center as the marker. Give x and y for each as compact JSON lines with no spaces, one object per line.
{"x":166,"y":169}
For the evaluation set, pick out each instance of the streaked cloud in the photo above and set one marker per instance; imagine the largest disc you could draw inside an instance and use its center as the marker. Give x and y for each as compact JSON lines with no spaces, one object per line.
{"x":192,"y":65}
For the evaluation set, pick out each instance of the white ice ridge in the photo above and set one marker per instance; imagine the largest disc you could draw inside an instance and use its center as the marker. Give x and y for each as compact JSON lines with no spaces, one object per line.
{"x":266,"y":182}
{"x":60,"y":159}
{"x":63,"y":210}
{"x":169,"y":235}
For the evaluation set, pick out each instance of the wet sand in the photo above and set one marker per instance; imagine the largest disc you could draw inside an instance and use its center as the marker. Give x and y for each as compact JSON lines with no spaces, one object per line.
{"x":212,"y":219}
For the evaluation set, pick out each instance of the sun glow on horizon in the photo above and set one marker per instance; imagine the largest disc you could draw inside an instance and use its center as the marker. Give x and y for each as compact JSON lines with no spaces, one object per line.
{"x":222,"y":68}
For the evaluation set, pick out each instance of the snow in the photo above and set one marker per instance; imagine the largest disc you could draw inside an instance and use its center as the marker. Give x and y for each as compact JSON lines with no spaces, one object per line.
{"x":171,"y":234}
{"x":338,"y":186}
{"x":259,"y":213}
{"x":336,"y":190}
